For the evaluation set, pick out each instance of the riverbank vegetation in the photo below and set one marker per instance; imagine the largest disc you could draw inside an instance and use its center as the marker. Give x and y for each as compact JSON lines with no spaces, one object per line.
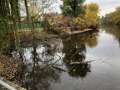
{"x":112,"y":18}
{"x":75,"y":18}
{"x":76,"y":15}
{"x":22,"y":21}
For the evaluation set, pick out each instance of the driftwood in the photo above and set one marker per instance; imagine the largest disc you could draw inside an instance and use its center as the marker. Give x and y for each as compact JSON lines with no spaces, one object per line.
{"x":79,"y":31}
{"x":71,"y":30}
{"x":60,"y":69}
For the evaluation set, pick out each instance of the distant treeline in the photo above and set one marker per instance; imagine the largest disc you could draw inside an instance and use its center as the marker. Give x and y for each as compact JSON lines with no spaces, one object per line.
{"x":112,"y":18}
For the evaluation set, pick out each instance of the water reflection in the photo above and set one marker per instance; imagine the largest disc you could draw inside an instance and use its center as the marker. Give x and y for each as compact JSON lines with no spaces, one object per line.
{"x":74,"y":61}
{"x":115,"y":31}
{"x":42,"y":62}
{"x":38,"y":78}
{"x":2,"y":88}
{"x":75,"y":50}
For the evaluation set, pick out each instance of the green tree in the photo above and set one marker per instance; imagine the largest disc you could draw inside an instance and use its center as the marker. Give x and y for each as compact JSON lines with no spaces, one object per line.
{"x":9,"y":16}
{"x":4,"y":9}
{"x":73,"y":7}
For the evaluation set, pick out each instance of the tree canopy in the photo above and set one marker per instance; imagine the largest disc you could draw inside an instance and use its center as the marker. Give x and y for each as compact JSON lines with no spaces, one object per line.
{"x":113,"y":18}
{"x":73,"y":7}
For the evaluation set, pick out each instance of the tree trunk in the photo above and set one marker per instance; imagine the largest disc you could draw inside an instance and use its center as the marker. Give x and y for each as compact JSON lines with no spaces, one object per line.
{"x":27,"y":10}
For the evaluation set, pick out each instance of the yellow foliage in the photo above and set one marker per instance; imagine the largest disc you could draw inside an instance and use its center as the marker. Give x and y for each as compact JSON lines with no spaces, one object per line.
{"x":91,"y":16}
{"x":93,"y":8}
{"x":91,"y":19}
{"x":87,"y":20}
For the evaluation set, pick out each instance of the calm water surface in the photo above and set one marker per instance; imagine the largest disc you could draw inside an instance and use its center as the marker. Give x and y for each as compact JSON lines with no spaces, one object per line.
{"x":81,"y":62}
{"x":104,"y":71}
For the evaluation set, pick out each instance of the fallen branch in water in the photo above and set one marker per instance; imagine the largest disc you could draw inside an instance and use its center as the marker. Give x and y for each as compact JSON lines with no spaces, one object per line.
{"x":60,"y":69}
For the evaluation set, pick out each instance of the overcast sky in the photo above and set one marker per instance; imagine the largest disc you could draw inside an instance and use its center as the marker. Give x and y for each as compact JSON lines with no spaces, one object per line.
{"x":106,"y":6}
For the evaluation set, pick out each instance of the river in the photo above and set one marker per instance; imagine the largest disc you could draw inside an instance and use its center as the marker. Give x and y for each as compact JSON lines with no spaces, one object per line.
{"x":103,"y":73}
{"x":82,"y":62}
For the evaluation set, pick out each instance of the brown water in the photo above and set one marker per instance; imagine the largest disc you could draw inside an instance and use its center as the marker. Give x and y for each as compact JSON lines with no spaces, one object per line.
{"x":82,"y":62}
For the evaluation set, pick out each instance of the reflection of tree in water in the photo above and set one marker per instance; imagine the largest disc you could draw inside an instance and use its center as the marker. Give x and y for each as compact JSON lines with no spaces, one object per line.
{"x":39,"y":72}
{"x":41,"y":63}
{"x":76,"y":54}
{"x":2,"y":88}
{"x":114,"y":30}
{"x":78,"y":69}
{"x":39,"y":78}
{"x":75,"y":50}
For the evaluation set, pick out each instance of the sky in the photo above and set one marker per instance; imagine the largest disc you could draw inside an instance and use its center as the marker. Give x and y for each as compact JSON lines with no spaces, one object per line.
{"x":106,"y":6}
